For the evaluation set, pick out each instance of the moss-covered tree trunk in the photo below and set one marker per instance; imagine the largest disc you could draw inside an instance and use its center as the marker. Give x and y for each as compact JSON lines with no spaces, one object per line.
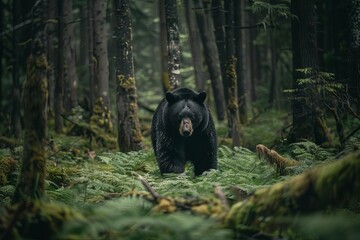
{"x":129,"y":134}
{"x":270,"y":209}
{"x":52,"y":12}
{"x":230,"y":82}
{"x":211,"y":59}
{"x":31,"y":182}
{"x":173,"y":43}
{"x":1,"y":51}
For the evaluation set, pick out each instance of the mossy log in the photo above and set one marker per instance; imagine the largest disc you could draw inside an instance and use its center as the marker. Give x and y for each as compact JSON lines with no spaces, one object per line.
{"x":331,"y":185}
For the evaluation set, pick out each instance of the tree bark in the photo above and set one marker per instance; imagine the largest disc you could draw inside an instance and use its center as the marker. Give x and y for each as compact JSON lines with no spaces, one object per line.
{"x":211,"y":58}
{"x":218,"y":16}
{"x":173,"y":43}
{"x":69,"y":63}
{"x":31,"y":182}
{"x":52,"y":27}
{"x":239,"y":64}
{"x":129,"y":133}
{"x":101,"y":79}
{"x":196,"y":48}
{"x":231,"y":77}
{"x":90,"y":35}
{"x":1,"y":53}
{"x":15,"y":116}
{"x":354,"y":20}
{"x":59,"y":80}
{"x":333,"y":185}
{"x":165,"y":82}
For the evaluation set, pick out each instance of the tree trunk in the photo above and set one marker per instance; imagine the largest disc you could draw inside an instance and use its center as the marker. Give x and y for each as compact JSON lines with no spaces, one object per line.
{"x":31,"y":182}
{"x":52,"y":53}
{"x":307,"y":120}
{"x":218,"y":15}
{"x":69,"y":63}
{"x":274,"y":95}
{"x":239,"y":64}
{"x":1,"y":52}
{"x":173,"y":43}
{"x":354,"y":50}
{"x":196,"y":48}
{"x":90,"y":36}
{"x":15,"y":116}
{"x":163,"y":47}
{"x":101,"y":79}
{"x":211,"y":58}
{"x":59,"y":80}
{"x":83,"y":53}
{"x":331,"y":186}
{"x":129,"y":134}
{"x":231,"y":78}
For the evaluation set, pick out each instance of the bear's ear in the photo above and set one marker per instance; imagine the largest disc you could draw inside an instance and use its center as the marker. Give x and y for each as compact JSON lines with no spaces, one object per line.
{"x":170,"y":98}
{"x":200,"y":98}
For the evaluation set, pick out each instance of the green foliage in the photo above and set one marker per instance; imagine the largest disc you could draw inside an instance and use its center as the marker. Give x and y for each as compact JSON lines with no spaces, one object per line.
{"x":270,"y":14}
{"x":133,"y":219}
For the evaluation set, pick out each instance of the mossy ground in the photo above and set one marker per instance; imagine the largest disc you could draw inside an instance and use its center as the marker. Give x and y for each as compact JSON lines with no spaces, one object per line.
{"x":102,"y":186}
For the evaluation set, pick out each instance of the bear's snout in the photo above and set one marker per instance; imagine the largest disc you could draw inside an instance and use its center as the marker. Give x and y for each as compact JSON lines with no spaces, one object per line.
{"x":186,"y":129}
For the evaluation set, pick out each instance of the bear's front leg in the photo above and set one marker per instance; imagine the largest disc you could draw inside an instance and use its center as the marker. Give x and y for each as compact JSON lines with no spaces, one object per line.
{"x":170,"y":156}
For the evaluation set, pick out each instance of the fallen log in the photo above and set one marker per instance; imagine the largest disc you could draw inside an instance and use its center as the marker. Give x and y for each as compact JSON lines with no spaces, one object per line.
{"x":273,"y":209}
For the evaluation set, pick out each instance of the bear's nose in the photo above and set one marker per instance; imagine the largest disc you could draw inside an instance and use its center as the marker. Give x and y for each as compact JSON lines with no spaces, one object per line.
{"x":186,"y":133}
{"x":186,"y":127}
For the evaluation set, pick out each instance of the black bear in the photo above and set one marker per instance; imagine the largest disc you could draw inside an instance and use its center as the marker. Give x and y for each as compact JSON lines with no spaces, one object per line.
{"x":183,"y":130}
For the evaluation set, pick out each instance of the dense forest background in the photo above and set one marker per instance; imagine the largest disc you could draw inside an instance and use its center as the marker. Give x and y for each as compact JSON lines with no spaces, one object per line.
{"x":81,"y":79}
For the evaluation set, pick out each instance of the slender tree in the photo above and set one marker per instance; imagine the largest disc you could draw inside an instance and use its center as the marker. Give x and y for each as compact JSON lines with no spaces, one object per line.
{"x":52,"y":51}
{"x":173,"y":43}
{"x":195,"y":46}
{"x":165,"y":82}
{"x":1,"y":52}
{"x":129,"y":134}
{"x":90,"y":36}
{"x":218,"y":15}
{"x":354,"y":49}
{"x":239,"y":63}
{"x":101,"y":78}
{"x":31,"y":182}
{"x":211,"y":58}
{"x":59,"y":79}
{"x":15,"y":116}
{"x":69,"y":63}
{"x":231,"y":78}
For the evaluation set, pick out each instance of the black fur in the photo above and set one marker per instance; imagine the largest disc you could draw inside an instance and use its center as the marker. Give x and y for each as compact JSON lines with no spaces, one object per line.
{"x":173,"y":150}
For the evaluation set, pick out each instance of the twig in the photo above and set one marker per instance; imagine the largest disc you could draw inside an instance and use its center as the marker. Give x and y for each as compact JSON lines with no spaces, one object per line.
{"x":147,"y":186}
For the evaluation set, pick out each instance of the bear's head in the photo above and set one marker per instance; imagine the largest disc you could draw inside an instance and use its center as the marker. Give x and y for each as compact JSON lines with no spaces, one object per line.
{"x":186,"y":111}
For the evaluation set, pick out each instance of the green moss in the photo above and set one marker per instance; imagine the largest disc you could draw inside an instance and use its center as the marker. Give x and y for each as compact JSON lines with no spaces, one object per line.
{"x":332,"y":185}
{"x":36,"y":220}
{"x":125,"y":83}
{"x":7,"y":166}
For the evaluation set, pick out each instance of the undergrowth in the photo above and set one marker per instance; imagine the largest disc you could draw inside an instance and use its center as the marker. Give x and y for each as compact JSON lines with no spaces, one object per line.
{"x":107,"y":191}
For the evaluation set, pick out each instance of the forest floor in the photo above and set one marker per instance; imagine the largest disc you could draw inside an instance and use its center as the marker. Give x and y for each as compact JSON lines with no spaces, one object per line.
{"x":107,"y":188}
